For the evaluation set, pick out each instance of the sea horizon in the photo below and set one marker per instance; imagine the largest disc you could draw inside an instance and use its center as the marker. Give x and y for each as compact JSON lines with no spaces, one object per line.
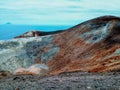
{"x":9,"y":31}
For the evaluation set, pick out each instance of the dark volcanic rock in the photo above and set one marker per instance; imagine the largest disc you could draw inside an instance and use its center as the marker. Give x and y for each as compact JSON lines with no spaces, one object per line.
{"x":37,"y":33}
{"x":65,"y":81}
{"x":92,"y":46}
{"x":4,"y":74}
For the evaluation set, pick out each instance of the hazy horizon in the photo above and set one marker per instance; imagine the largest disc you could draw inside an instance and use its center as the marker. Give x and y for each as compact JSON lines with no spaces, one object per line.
{"x":62,"y":12}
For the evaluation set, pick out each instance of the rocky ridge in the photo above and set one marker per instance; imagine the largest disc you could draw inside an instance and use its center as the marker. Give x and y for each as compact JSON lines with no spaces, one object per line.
{"x":35,"y":33}
{"x":91,"y":46}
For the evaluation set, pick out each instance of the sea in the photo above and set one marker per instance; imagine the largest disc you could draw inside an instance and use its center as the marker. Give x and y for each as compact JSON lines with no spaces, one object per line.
{"x":9,"y":31}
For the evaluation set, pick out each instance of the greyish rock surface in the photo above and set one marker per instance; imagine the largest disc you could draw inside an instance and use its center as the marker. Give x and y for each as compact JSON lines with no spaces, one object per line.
{"x":23,"y":52}
{"x":89,"y":46}
{"x":92,"y":46}
{"x":65,"y":81}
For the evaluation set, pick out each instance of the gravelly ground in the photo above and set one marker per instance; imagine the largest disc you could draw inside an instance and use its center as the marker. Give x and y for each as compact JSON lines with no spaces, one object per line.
{"x":66,"y":81}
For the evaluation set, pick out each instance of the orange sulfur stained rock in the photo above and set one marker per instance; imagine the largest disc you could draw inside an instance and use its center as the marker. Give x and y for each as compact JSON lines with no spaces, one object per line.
{"x":36,"y":69}
{"x":91,"y":46}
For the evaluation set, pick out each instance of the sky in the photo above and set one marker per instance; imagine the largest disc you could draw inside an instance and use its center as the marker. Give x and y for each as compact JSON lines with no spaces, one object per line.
{"x":55,"y":12}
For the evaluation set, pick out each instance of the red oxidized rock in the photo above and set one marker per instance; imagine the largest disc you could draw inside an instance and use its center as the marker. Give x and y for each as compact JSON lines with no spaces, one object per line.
{"x":91,"y":46}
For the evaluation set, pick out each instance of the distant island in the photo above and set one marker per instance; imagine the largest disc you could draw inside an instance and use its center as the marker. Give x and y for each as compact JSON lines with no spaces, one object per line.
{"x":83,"y":57}
{"x":8,"y":23}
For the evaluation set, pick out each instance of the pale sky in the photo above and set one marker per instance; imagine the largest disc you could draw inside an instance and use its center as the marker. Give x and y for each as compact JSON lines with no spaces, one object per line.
{"x":55,"y":12}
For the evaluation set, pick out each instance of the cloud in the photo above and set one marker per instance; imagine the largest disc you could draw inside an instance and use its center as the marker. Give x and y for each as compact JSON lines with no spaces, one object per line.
{"x":55,"y":12}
